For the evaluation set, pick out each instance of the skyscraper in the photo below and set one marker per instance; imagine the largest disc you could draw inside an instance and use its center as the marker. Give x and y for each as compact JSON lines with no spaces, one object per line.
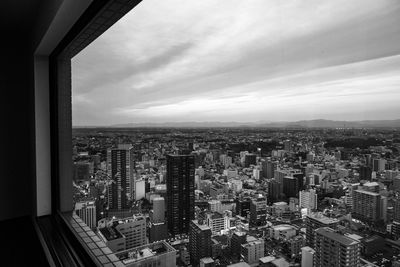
{"x":120,"y":168}
{"x":333,"y":249}
{"x":180,"y":193}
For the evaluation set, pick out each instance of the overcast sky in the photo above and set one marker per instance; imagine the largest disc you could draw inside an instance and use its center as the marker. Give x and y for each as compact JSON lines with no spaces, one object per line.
{"x":235,"y":60}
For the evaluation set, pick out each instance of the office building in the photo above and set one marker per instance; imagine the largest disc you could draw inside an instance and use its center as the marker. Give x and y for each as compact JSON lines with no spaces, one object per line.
{"x":315,"y":221}
{"x":216,"y":222}
{"x":180,"y":193}
{"x":159,"y":254}
{"x":133,"y":229}
{"x":243,"y":206}
{"x":199,"y":241}
{"x":157,"y":214}
{"x":113,"y":239}
{"x":86,"y":210}
{"x":378,"y":165}
{"x":258,"y":211}
{"x":290,"y":186}
{"x":120,"y":169}
{"x":250,"y":159}
{"x":238,"y":238}
{"x":308,"y":199}
{"x":335,"y":250}
{"x":252,"y":251}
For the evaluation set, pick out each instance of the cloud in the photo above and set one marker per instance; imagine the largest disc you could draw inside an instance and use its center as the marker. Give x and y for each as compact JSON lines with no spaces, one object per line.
{"x":161,"y":62}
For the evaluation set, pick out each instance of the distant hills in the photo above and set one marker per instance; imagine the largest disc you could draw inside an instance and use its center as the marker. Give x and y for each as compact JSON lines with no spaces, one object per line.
{"x":318,"y":123}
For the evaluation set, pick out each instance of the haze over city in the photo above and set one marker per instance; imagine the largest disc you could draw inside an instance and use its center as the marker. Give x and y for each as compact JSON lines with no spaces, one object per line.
{"x":177,"y":60}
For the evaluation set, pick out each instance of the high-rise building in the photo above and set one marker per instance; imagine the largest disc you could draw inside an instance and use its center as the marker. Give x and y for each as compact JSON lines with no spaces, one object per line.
{"x":133,"y":229}
{"x":180,"y":193}
{"x":157,"y":214}
{"x":367,"y":206}
{"x":243,"y":206}
{"x":216,"y":222}
{"x":269,"y":168}
{"x":335,"y":250}
{"x":258,"y":211}
{"x":238,"y":238}
{"x":274,"y":190}
{"x":308,"y":199}
{"x":307,"y":256}
{"x":365,"y":172}
{"x":199,"y":241}
{"x":315,"y":221}
{"x":250,"y":159}
{"x":86,"y":210}
{"x":252,"y":251}
{"x":120,"y":169}
{"x":378,"y":165}
{"x":290,"y":186}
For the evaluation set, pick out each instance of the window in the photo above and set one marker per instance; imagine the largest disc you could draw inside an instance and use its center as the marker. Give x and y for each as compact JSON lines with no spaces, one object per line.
{"x":317,"y":78}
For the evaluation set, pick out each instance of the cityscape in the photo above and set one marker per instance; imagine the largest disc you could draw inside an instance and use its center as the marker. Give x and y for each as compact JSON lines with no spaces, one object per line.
{"x":241,"y":196}
{"x":239,"y":133}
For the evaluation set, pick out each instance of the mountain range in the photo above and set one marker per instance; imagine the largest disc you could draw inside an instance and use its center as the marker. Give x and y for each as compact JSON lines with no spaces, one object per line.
{"x":318,"y":123}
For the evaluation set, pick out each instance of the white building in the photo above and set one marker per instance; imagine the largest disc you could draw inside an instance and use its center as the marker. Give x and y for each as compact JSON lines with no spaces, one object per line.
{"x":282,"y":231}
{"x":133,"y":229}
{"x":252,"y":251}
{"x":308,"y":199}
{"x":307,"y":257}
{"x":140,"y":191}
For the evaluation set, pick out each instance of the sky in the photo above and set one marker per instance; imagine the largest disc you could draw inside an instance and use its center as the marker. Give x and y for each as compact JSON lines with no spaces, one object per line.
{"x":243,"y":61}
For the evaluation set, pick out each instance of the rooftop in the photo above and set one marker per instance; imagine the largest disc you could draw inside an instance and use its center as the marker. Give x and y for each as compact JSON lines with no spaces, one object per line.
{"x":144,"y":252}
{"x":366,"y":192}
{"x":110,"y":233}
{"x":331,"y":234}
{"x":267,"y":259}
{"x":322,"y":218}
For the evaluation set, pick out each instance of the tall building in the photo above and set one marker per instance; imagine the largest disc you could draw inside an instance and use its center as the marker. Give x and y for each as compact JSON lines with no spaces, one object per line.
{"x":367,"y":206}
{"x":365,"y":172}
{"x":308,"y":199}
{"x":120,"y":168}
{"x":180,"y":193}
{"x":268,"y":168}
{"x":199,"y":241}
{"x":216,"y":222}
{"x":157,"y":214}
{"x":378,"y":165}
{"x":396,"y":210}
{"x":86,"y":210}
{"x":252,"y":251}
{"x":274,"y":190}
{"x":307,"y":256}
{"x":250,"y":159}
{"x":315,"y":221}
{"x":290,"y":186}
{"x":238,"y":238}
{"x":242,"y":206}
{"x":335,"y":250}
{"x":258,"y":211}
{"x":133,"y":229}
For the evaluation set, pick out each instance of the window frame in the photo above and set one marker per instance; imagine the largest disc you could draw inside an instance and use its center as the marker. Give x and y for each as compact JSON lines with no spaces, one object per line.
{"x":85,"y":30}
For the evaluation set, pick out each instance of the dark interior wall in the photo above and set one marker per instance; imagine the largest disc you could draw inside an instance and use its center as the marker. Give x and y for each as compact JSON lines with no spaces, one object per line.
{"x":22,"y":24}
